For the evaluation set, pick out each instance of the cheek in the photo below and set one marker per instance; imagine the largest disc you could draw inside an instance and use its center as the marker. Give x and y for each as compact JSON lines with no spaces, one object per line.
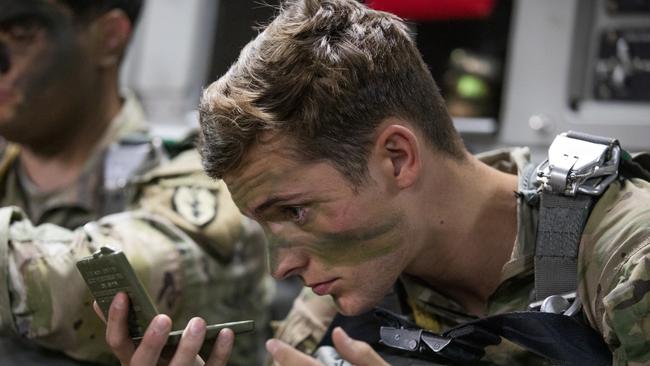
{"x":358,"y":244}
{"x":59,"y":62}
{"x":33,"y":63}
{"x":339,"y":243}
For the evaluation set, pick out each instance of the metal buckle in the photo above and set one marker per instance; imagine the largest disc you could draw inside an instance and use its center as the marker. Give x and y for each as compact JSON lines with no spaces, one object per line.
{"x":413,"y":340}
{"x":574,"y":162}
{"x":568,"y":304}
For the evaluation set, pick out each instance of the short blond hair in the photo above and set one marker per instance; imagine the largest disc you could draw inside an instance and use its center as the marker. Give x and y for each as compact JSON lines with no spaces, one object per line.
{"x":325,"y":74}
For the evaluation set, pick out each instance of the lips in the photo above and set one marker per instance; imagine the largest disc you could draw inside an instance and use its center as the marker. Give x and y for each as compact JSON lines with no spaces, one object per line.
{"x":322,"y":288}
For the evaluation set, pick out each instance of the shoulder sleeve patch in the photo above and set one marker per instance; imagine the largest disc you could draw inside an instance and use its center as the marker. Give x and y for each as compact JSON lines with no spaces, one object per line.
{"x":196,"y":204}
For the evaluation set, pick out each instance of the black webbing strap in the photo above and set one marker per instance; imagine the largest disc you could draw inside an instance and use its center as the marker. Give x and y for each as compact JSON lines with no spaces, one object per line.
{"x":562,"y":339}
{"x":561,"y":221}
{"x":637,"y":166}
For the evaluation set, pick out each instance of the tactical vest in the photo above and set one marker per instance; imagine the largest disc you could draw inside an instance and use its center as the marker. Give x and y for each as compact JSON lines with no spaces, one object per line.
{"x":578,"y":170}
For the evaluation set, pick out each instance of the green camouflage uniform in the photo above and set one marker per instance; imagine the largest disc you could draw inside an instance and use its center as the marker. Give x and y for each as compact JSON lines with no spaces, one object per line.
{"x":190,"y":246}
{"x":613,"y":271}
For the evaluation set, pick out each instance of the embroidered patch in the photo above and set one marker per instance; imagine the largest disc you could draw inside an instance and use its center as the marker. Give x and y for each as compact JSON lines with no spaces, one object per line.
{"x":196,"y":205}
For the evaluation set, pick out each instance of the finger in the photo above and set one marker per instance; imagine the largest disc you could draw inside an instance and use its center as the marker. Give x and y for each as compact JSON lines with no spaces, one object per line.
{"x":99,"y":311}
{"x":153,"y":341}
{"x":117,"y":332}
{"x":285,"y":355}
{"x":222,"y":348}
{"x":356,"y":352}
{"x":190,"y":343}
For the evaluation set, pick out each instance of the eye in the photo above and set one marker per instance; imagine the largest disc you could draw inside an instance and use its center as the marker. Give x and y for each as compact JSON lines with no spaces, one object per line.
{"x":297,"y":214}
{"x":21,"y":31}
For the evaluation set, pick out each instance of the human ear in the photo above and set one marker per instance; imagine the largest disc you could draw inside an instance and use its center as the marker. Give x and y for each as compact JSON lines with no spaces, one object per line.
{"x":113,"y":32}
{"x":399,"y":150}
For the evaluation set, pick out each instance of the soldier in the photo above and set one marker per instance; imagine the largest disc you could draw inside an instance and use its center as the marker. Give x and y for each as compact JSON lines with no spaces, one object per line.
{"x":330,"y":132}
{"x":77,"y":150}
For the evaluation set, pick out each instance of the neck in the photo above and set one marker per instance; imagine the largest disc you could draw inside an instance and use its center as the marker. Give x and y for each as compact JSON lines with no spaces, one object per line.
{"x":58,"y":163}
{"x":474,"y":216}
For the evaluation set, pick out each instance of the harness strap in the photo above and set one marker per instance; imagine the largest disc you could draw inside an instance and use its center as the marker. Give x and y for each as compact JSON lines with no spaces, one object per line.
{"x":561,"y":221}
{"x":578,"y":170}
{"x":637,"y":166}
{"x":560,"y":338}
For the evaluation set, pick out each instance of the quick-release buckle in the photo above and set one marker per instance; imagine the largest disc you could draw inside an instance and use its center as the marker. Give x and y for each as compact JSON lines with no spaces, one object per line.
{"x":568,"y":304}
{"x":413,"y":340}
{"x":462,"y":345}
{"x":574,"y":162}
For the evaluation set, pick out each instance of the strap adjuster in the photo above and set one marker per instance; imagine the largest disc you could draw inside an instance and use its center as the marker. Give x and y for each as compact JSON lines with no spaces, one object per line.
{"x":575,"y":160}
{"x":413,"y":340}
{"x":568,"y":304}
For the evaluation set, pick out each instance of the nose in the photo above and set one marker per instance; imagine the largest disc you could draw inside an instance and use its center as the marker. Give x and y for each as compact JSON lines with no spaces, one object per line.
{"x":287,"y":262}
{"x":285,"y":254}
{"x":286,"y":257}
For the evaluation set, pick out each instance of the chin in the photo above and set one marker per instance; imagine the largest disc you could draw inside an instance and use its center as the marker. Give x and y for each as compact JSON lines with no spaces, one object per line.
{"x":352,"y":306}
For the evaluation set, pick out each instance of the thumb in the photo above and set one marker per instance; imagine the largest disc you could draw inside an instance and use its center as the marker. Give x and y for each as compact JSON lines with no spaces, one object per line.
{"x":356,"y":352}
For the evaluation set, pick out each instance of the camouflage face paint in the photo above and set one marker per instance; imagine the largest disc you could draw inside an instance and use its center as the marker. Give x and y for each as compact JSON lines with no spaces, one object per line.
{"x":360,"y":244}
{"x":247,"y":188}
{"x":38,"y":11}
{"x":44,"y":57}
{"x":342,"y":227}
{"x":345,"y":248}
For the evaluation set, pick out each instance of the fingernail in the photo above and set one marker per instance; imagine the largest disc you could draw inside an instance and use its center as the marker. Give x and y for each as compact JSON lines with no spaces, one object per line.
{"x":346,"y":337}
{"x":196,"y":326}
{"x":119,"y":302}
{"x":160,"y":324}
{"x":272,"y":346}
{"x":226,"y":337}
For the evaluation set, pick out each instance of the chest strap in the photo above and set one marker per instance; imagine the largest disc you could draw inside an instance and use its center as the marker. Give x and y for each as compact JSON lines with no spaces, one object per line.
{"x":559,"y":338}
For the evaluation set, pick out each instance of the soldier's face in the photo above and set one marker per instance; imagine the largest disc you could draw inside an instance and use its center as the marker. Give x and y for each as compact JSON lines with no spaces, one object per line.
{"x":43,"y":76}
{"x":348,"y":243}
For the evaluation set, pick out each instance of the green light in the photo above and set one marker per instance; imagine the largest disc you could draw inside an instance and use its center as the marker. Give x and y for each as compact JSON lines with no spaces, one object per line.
{"x":469,"y":86}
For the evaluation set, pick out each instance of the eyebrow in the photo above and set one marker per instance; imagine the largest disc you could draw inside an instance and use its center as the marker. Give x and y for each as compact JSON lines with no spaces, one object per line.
{"x":17,"y":13}
{"x":273,"y":200}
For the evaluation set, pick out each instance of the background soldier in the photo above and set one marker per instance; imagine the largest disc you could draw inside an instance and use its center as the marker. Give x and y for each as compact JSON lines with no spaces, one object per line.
{"x":330,"y":132}
{"x":77,"y":150}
